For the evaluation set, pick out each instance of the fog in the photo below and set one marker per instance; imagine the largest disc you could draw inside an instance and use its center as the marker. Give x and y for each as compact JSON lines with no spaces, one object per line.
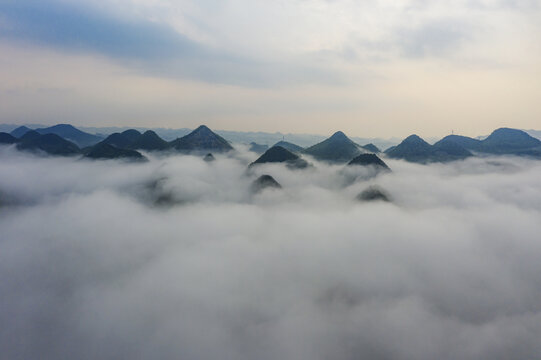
{"x":176,"y":259}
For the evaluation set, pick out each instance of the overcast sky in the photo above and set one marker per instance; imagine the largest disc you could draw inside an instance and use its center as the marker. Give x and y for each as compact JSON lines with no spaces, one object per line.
{"x":369,"y":68}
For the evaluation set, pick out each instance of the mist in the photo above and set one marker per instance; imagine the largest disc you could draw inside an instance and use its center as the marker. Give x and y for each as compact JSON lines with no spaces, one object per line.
{"x":175,"y":258}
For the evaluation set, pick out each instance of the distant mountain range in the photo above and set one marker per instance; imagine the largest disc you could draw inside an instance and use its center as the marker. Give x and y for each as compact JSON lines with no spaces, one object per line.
{"x":65,"y":139}
{"x":262,"y":138}
{"x":503,"y":141}
{"x":115,"y":146}
{"x":66,"y":131}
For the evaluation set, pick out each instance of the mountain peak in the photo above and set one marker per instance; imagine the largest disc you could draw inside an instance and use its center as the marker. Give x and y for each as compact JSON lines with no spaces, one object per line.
{"x":203,"y":129}
{"x":20,"y":131}
{"x":337,"y":148}
{"x":412,"y":139}
{"x":278,"y":154}
{"x":339,"y":135}
{"x":200,"y":139}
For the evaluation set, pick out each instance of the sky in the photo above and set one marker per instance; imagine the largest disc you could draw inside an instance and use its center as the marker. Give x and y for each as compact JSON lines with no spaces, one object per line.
{"x":175,"y":258}
{"x":369,"y":68}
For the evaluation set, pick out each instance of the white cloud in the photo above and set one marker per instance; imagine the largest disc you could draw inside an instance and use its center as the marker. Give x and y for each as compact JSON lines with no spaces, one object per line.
{"x":89,"y":268}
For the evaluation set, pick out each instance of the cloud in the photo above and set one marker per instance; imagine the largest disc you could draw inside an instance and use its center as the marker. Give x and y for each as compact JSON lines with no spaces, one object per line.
{"x":433,"y":39}
{"x":150,"y":46}
{"x":90,"y":266}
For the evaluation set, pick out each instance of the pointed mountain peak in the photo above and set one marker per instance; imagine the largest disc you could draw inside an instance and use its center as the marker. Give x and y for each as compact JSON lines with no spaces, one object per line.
{"x":337,"y":148}
{"x":414,"y":139}
{"x":20,"y":131}
{"x":203,"y":129}
{"x":339,"y":135}
{"x":202,"y":138}
{"x":150,"y":133}
{"x":278,"y":154}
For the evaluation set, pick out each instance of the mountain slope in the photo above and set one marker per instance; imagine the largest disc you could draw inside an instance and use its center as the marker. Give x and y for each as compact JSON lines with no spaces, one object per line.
{"x":464,"y":141}
{"x":103,"y":150}
{"x":278,"y":154}
{"x":508,"y":141}
{"x":71,"y":133}
{"x":371,"y":147}
{"x":264,"y":182}
{"x":369,"y":160}
{"x":6,"y":138}
{"x":294,"y":148}
{"x":131,"y":134}
{"x":20,"y":131}
{"x":118,"y":140}
{"x":149,"y":141}
{"x":201,"y":139}
{"x":415,"y":149}
{"x":337,"y":148}
{"x":48,"y":143}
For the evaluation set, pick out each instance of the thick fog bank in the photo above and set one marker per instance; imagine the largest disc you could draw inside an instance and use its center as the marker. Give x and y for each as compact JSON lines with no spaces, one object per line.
{"x":177,"y":259}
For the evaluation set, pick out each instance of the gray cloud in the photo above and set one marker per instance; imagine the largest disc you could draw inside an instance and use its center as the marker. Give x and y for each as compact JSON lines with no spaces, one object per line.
{"x":148,"y":46}
{"x":89,"y":268}
{"x":436,"y":38}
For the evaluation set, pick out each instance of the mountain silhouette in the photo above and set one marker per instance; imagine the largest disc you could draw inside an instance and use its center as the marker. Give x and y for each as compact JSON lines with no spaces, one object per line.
{"x":369,"y":160}
{"x":103,"y":150}
{"x":509,"y":141}
{"x":20,"y":131}
{"x":119,"y":140}
{"x":374,"y":193}
{"x":372,"y":148}
{"x":264,"y":182}
{"x":337,"y":148}
{"x":201,"y":139}
{"x":71,"y":133}
{"x":6,"y":138}
{"x":464,"y":141}
{"x":131,"y":134}
{"x":209,"y":158}
{"x":149,"y":141}
{"x":278,"y":154}
{"x":503,"y":141}
{"x":48,"y":143}
{"x":290,"y":146}
{"x":415,"y":149}
{"x":30,"y":135}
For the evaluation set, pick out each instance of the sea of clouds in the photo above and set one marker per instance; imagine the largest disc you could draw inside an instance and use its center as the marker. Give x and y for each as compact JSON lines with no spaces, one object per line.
{"x":175,"y":258}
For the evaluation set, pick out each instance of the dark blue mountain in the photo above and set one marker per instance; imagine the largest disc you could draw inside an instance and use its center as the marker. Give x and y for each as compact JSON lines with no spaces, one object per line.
{"x":371,"y":148}
{"x":49,"y":143}
{"x":294,"y":148}
{"x":369,"y":160}
{"x":509,"y":141}
{"x":105,"y":151}
{"x":278,"y":154}
{"x":149,"y":141}
{"x":464,"y":141}
{"x":119,"y":140}
{"x":71,"y":133}
{"x":415,"y":149}
{"x":201,"y":139}
{"x":20,"y":131}
{"x":264,"y":182}
{"x":6,"y":138}
{"x":337,"y":148}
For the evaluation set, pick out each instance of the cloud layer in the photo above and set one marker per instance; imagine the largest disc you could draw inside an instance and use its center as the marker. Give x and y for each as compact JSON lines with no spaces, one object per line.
{"x":92,"y":266}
